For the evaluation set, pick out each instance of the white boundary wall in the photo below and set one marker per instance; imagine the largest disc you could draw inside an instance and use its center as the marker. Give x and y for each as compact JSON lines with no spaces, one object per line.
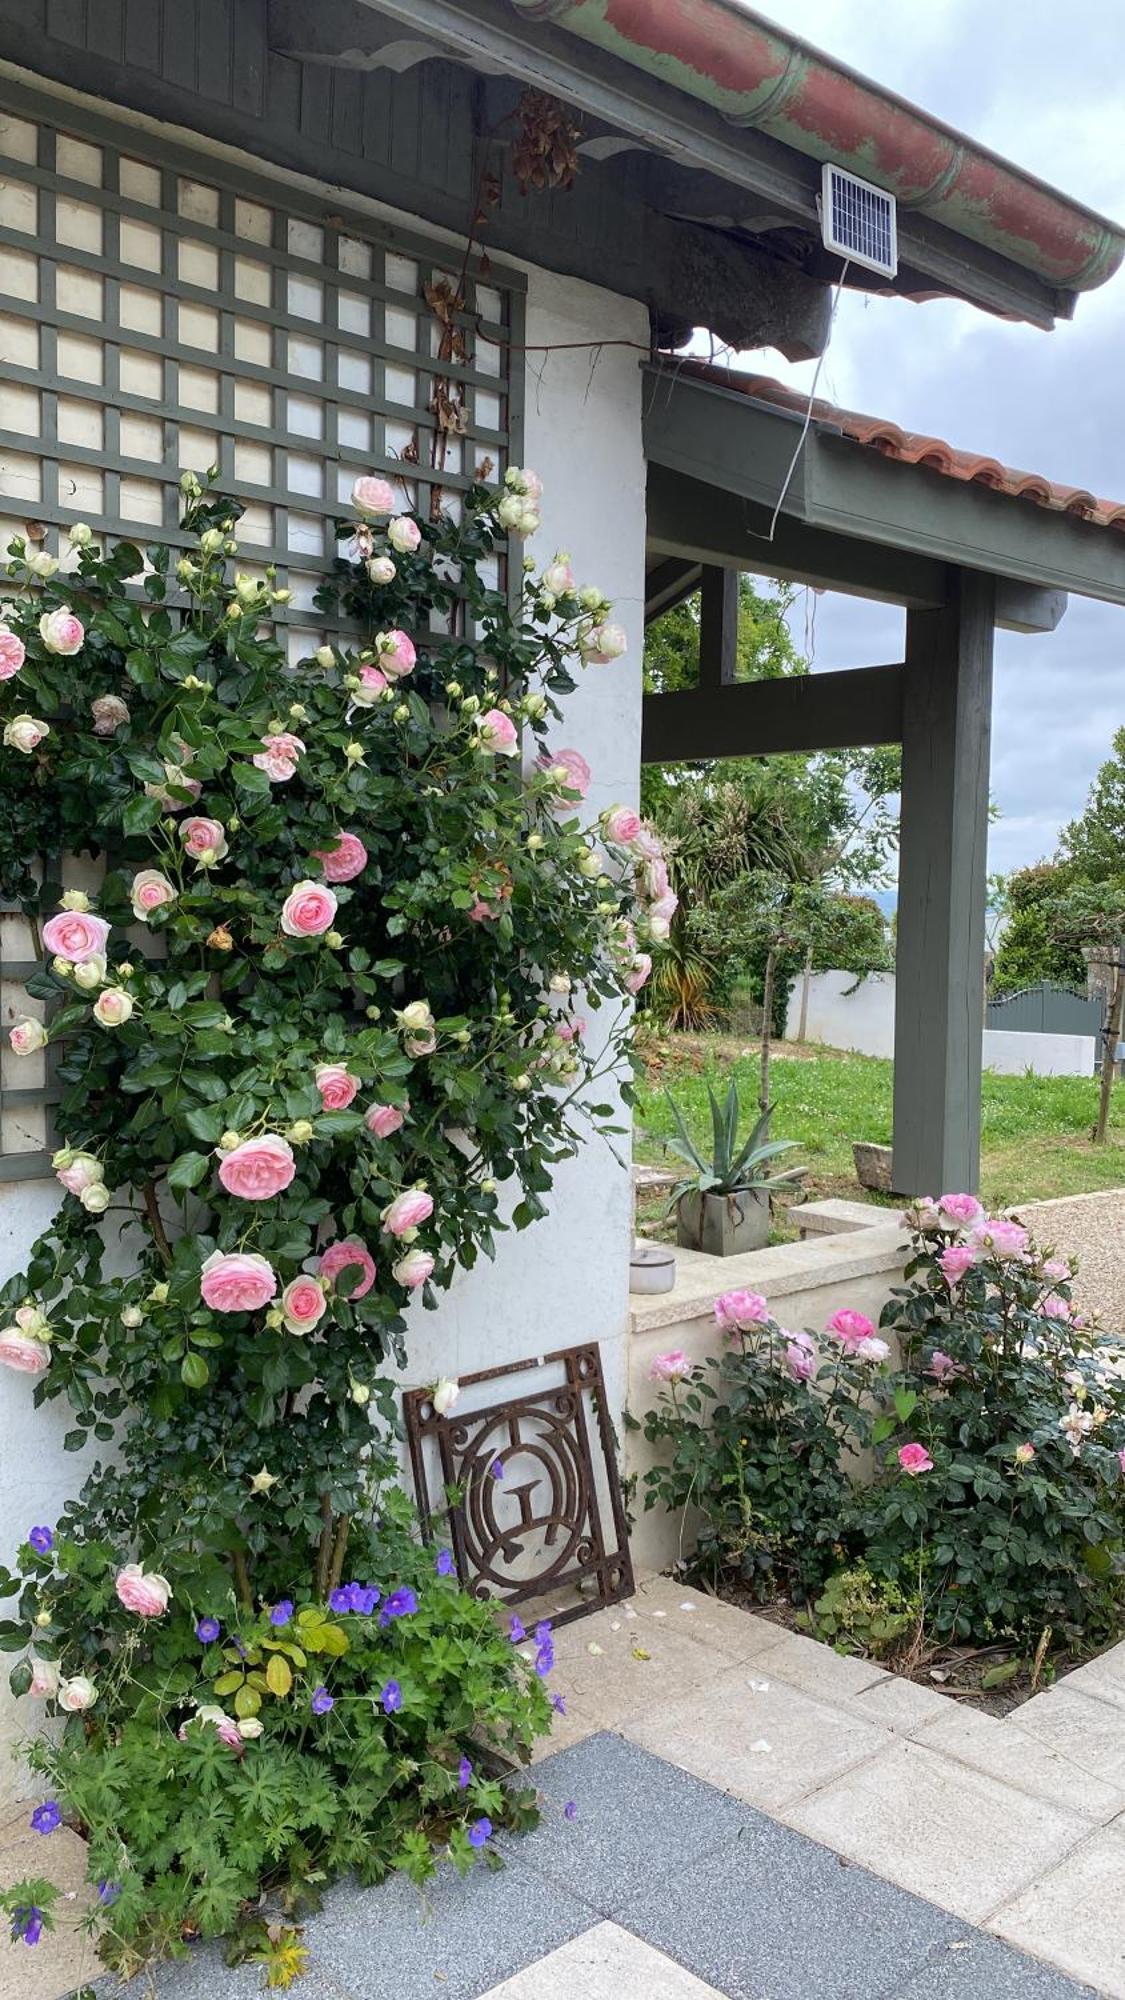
{"x":846,"y":1013}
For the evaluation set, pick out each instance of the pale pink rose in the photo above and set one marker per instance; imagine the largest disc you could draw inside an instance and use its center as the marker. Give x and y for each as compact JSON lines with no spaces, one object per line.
{"x":204,"y":839}
{"x":396,"y":654}
{"x":373,"y":496}
{"x":112,"y":1007}
{"x":850,"y":1328}
{"x":143,"y":1592}
{"x":343,"y":862}
{"x":914,"y":1458}
{"x":25,"y":733}
{"x":1024,"y":1453}
{"x":621,"y":825}
{"x":1054,"y":1307}
{"x":800,"y":1357}
{"x":404,"y":535}
{"x":279,"y":756}
{"x":336,"y":1084}
{"x":109,"y":713}
{"x":603,"y":643}
{"x":383,"y":1119}
{"x":77,"y":1694}
{"x":654,"y":877}
{"x":942,"y":1367}
{"x":381,"y":569}
{"x":44,"y":1678}
{"x":149,"y":891}
{"x":237,"y":1281}
{"x":1121,"y":1459}
{"x":224,"y":1726}
{"x":482,"y":913}
{"x":664,"y":909}
{"x":956,"y":1260}
{"x":671,"y":1367}
{"x":964,"y":1209}
{"x":558,"y":577}
{"x":873,"y":1349}
{"x":78,"y":1171}
{"x":573,"y":764}
{"x":1003,"y":1238}
{"x":498,"y":733}
{"x":27,"y":1037}
{"x":61,"y":632}
{"x":446,"y":1394}
{"x":259,"y":1168}
{"x":12,"y":654}
{"x":76,"y":935}
{"x":638,"y":973}
{"x":407,"y":1210}
{"x":646,"y":844}
{"x":571,"y":1031}
{"x":351,"y":1252}
{"x":1057,"y":1270}
{"x":308,"y":910}
{"x":303,"y":1304}
{"x":413,"y":1269}
{"x":371,"y":685}
{"x":740,"y":1309}
{"x":17,"y":1351}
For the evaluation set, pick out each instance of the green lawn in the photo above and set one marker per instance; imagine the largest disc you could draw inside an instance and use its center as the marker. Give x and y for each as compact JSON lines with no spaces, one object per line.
{"x":1035,"y":1129}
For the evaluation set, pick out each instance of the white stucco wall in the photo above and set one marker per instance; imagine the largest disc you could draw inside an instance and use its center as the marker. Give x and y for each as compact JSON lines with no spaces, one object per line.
{"x":864,"y":1020}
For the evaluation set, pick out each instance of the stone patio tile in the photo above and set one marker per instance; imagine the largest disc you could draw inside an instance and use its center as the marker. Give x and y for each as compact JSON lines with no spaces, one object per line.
{"x":813,"y":1666}
{"x":456,"y":1938}
{"x":1019,"y":1757}
{"x":708,"y":1620}
{"x":981,"y":1968}
{"x":938,"y":1828}
{"x":759,"y":1738}
{"x":1103,"y":1677}
{"x":605,"y":1964}
{"x":638,"y":1820}
{"x":902,"y":1706}
{"x":1073,"y":1914}
{"x":203,"y":1976}
{"x":1088,"y":1731}
{"x":774,"y":1917}
{"x":64,"y":1957}
{"x":606,"y":1675}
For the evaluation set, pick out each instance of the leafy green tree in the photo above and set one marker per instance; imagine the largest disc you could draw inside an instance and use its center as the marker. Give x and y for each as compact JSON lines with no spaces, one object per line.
{"x":1031,"y":948}
{"x":1092,"y":908}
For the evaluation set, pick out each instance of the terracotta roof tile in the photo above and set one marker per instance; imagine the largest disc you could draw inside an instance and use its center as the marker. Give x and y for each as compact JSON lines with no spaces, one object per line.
{"x":915,"y":448}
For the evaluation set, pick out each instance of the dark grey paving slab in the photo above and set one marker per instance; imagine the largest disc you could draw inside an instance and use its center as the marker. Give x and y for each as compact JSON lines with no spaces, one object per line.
{"x":981,"y":1968}
{"x":772,"y":1916}
{"x":457,"y":1938}
{"x":203,"y":1976}
{"x":637,"y":1820}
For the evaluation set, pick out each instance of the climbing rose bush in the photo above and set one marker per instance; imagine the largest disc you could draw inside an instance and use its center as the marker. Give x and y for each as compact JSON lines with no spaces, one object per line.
{"x":317,"y":1041}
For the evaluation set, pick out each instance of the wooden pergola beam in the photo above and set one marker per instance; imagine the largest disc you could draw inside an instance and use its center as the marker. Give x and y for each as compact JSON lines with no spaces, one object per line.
{"x":841,"y":711}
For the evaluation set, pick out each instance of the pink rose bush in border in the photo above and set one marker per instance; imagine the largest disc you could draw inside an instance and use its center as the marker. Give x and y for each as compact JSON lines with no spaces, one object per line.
{"x":337,"y":1073}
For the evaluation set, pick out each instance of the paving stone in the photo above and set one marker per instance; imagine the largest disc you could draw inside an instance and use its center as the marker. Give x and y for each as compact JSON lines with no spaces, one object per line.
{"x":1017,"y":1757}
{"x":605,"y":1675}
{"x":901,"y":1705}
{"x":938,"y":1828}
{"x":605,"y":1964}
{"x":761,"y":1739}
{"x":457,"y":1937}
{"x":775,"y":1917}
{"x":706,"y":1620}
{"x":64,"y":1957}
{"x":203,"y":1976}
{"x":977,"y":1967}
{"x":1073,"y":1914}
{"x":638,"y":1820}
{"x":815,"y":1667}
{"x":1088,"y":1731}
{"x":1103,"y":1677}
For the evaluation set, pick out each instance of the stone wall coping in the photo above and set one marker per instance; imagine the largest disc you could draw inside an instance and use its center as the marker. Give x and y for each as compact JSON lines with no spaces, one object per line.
{"x":780,"y":1271}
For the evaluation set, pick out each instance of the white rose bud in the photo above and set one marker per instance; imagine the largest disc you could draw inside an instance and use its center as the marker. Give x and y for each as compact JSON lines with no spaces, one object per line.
{"x":560,"y":982}
{"x":25,"y":733}
{"x":76,"y":1694}
{"x":211,"y":541}
{"x":445,"y":1395}
{"x":229,"y":1141}
{"x":90,"y":973}
{"x":250,"y":1727}
{"x":75,"y":899}
{"x":80,"y":535}
{"x":325,"y":657}
{"x":42,"y":565}
{"x":417,"y":1018}
{"x":381,"y":569}
{"x":590,"y":867}
{"x":63,"y":967}
{"x":488,"y":1185}
{"x":590,"y":597}
{"x":112,"y":1007}
{"x":27,"y":1036}
{"x":132,"y":1316}
{"x":95,"y":1198}
{"x":360,"y":1394}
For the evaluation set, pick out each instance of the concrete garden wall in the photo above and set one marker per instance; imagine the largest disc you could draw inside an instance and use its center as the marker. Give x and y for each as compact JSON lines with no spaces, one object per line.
{"x":846,"y":1013}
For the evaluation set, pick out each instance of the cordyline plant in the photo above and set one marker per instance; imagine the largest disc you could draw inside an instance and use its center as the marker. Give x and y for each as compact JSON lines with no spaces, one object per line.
{"x":316,"y":1044}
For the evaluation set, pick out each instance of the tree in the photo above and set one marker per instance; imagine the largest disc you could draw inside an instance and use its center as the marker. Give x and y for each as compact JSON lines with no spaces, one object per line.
{"x":1092,"y":908}
{"x":1030,"y":946}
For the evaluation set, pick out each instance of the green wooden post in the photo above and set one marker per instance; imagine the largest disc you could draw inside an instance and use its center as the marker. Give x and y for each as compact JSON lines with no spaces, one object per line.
{"x":939,"y":1001}
{"x":718,"y":627}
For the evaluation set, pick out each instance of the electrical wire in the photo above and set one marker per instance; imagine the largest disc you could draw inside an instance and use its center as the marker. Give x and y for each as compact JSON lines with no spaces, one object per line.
{"x":788,"y":480}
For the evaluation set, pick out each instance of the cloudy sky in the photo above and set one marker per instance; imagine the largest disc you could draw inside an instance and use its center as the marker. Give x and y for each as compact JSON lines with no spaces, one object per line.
{"x":1044,"y":85}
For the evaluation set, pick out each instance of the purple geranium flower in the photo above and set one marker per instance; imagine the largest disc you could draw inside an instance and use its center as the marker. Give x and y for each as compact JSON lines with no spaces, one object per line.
{"x":108,"y":1892}
{"x":27,"y":1923}
{"x":558,"y":1704}
{"x":479,"y":1832}
{"x":207,"y":1631}
{"x":399,"y":1604}
{"x":283,"y":1612}
{"x":445,"y":1565}
{"x":392,"y":1697}
{"x":46,"y":1817}
{"x":42,"y":1540}
{"x":343,"y":1597}
{"x":321,"y":1702}
{"x":516,"y":1630}
{"x":366,"y":1598}
{"x":570,"y":1810}
{"x":497,"y":1468}
{"x":464,"y":1773}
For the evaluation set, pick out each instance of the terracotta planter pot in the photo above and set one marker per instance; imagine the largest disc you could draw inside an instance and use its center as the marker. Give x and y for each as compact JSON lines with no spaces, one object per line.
{"x":724,"y":1225}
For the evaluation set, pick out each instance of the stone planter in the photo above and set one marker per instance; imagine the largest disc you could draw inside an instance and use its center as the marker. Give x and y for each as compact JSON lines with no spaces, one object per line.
{"x":724,"y":1225}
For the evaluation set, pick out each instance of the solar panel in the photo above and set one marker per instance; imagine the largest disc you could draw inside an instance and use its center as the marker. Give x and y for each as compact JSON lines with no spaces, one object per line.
{"x":858,"y":220}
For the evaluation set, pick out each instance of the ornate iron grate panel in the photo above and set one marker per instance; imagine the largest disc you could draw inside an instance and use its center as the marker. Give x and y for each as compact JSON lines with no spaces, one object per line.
{"x":527,"y":1482}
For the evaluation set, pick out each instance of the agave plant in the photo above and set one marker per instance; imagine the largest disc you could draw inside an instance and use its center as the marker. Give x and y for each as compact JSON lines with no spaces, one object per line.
{"x":732,"y":1168}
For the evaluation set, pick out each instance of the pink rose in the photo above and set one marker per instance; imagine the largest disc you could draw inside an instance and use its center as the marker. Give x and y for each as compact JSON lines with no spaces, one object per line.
{"x":850,"y":1328}
{"x":25,"y":733}
{"x":1121,"y":1459}
{"x":498,"y":733}
{"x":12,"y":654}
{"x":77,"y":1694}
{"x":44,"y":1678}
{"x":1056,"y":1269}
{"x":373,"y":496}
{"x":149,"y":891}
{"x":956,"y":1260}
{"x":1024,"y":1453}
{"x":77,"y":1171}
{"x":575,"y":771}
{"x":646,"y":844}
{"x":343,"y":862}
{"x":383,"y":1119}
{"x":621,"y":825}
{"x":237,"y":1281}
{"x":1054,"y":1307}
{"x":740,"y":1309}
{"x":873,"y":1350}
{"x":336,"y":1084}
{"x":143,"y":1592}
{"x":1004,"y":1239}
{"x":413,"y":1269}
{"x":109,"y":713}
{"x":349,"y":1253}
{"x":113,"y":1007}
{"x":76,"y":935}
{"x":279,"y":756}
{"x":381,"y":569}
{"x":204,"y":840}
{"x":30,"y":1357}
{"x":942,"y":1367}
{"x":303,"y":1304}
{"x":654,"y":876}
{"x":914,"y":1458}
{"x":371,"y":685}
{"x":571,"y":1031}
{"x":396,"y":654}
{"x":177,"y":780}
{"x":308,"y":910}
{"x":61,"y":632}
{"x":558,"y":577}
{"x":964,"y":1209}
{"x":671,"y":1367}
{"x":407,"y":1210}
{"x":259,"y":1168}
{"x":664,"y":909}
{"x":482,"y":913}
{"x":603,"y":643}
{"x":404,"y":535}
{"x":800,"y":1357}
{"x":638,"y":972}
{"x":27,"y":1037}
